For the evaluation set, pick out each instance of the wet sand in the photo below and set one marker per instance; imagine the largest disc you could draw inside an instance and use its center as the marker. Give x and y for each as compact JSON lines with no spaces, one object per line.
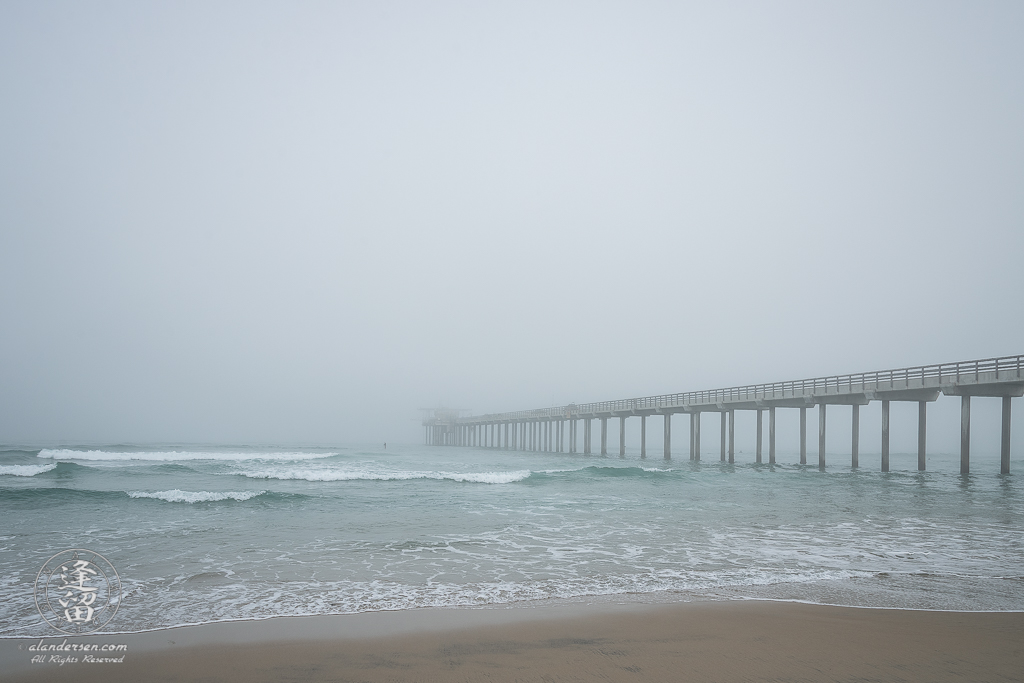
{"x":704,"y":641}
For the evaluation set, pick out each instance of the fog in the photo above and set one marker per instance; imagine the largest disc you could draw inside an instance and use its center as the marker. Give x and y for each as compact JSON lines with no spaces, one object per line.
{"x":302,"y":222}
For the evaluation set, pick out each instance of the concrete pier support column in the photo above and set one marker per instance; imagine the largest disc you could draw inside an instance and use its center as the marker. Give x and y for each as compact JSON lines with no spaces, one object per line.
{"x":586,"y":436}
{"x":643,"y":436}
{"x":803,"y":436}
{"x":922,"y":433}
{"x":722,"y":449}
{"x":696,"y":436}
{"x":668,"y":436}
{"x":758,"y":456}
{"x":965,"y":435}
{"x":732,"y":436}
{"x":771,"y":435}
{"x":691,"y":435}
{"x":604,"y":436}
{"x":1004,"y":441}
{"x":821,"y":436}
{"x":855,"y":440}
{"x":622,"y":437}
{"x":885,"y":436}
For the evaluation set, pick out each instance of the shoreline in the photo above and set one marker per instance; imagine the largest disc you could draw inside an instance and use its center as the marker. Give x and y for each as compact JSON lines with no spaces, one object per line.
{"x":721,"y":640}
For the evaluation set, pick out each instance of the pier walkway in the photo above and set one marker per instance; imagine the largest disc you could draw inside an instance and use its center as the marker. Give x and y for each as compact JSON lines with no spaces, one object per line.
{"x":549,"y":429}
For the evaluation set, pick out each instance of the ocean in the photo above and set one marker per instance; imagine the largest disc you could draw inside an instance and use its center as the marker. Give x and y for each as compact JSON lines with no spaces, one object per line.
{"x":212,"y":533}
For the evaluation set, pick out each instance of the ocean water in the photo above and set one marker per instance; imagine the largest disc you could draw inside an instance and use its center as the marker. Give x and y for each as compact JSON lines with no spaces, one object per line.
{"x":223,"y":533}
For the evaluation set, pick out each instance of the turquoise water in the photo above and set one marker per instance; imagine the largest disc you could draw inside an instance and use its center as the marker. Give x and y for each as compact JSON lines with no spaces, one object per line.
{"x":210,"y":533}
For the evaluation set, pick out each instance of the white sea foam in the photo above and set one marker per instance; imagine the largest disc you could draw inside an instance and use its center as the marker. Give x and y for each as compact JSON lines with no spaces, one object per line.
{"x":170,"y":456}
{"x":179,"y":496}
{"x":25,"y":470}
{"x":326,"y":474}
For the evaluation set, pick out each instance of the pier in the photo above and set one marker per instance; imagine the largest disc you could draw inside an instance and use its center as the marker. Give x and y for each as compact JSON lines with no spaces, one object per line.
{"x":557,"y":429}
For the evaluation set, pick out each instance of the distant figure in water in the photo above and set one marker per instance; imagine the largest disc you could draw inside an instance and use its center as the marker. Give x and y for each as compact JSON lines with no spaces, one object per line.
{"x":385,"y":445}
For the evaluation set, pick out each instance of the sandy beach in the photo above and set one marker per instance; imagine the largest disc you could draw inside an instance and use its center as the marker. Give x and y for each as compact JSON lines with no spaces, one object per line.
{"x":704,"y":641}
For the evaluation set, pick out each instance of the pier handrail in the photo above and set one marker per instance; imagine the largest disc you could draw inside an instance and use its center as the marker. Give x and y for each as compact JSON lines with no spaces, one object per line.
{"x":792,"y":388}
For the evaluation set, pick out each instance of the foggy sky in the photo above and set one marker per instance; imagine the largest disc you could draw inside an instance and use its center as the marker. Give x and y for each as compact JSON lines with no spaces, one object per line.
{"x":300,"y":222}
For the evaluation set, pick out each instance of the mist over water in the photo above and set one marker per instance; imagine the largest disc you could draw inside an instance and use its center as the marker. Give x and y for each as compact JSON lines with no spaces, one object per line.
{"x":300,"y":223}
{"x":239,"y":533}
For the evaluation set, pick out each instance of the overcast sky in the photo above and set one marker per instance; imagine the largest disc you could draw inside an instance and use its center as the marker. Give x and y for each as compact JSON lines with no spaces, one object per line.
{"x":301,"y":222}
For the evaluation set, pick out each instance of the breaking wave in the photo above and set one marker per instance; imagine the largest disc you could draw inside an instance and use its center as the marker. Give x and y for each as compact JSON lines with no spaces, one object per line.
{"x":179,"y":496}
{"x":25,"y":470}
{"x":311,"y":474}
{"x":165,"y":456}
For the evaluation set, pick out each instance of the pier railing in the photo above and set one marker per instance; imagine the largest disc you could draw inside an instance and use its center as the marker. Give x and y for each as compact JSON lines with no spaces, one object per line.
{"x":1004,"y":368}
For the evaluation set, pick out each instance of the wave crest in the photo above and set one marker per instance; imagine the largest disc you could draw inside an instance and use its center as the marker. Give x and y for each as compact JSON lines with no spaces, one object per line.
{"x":349,"y":475}
{"x":165,"y":456}
{"x":25,"y":470}
{"x":179,"y":496}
